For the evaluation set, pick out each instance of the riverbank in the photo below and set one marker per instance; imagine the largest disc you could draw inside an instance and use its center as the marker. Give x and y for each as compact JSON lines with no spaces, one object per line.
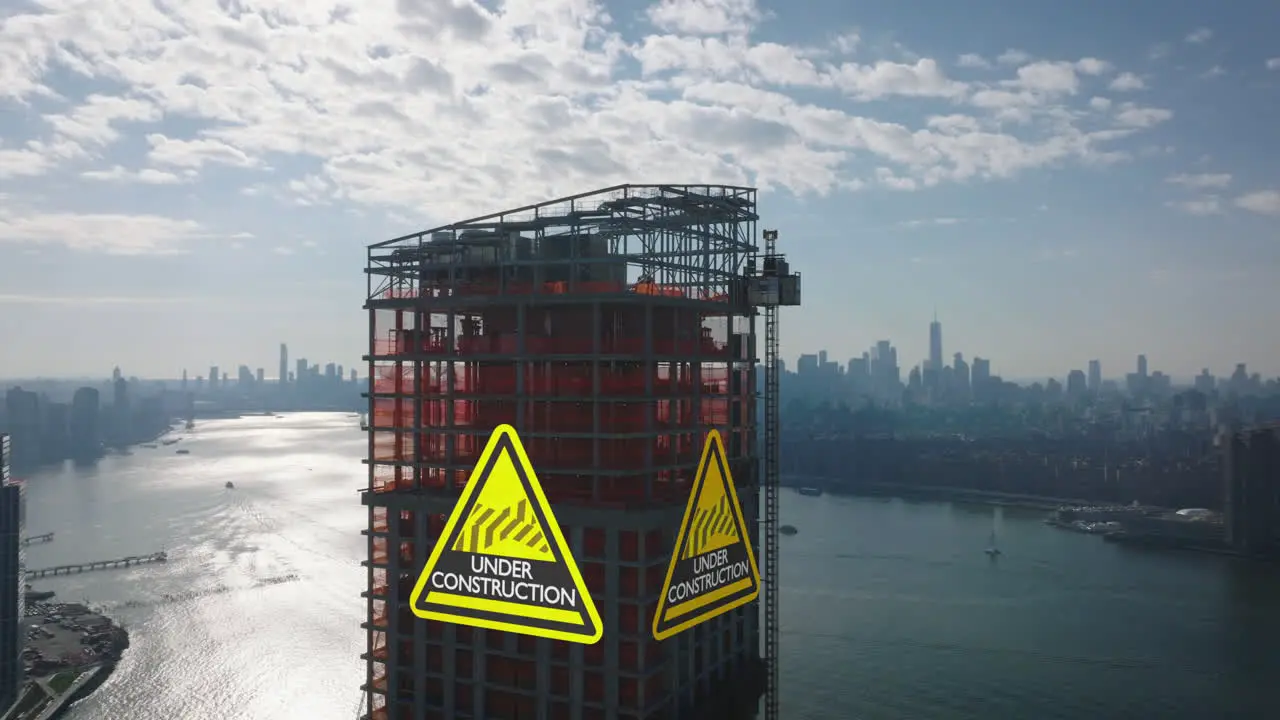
{"x":70,"y":652}
{"x":934,"y":493}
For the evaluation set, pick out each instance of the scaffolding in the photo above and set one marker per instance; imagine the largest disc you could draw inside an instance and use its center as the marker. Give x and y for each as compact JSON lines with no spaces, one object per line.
{"x":613,"y":330}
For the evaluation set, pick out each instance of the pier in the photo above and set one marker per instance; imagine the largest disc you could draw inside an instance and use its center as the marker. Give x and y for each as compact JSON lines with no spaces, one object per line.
{"x":36,"y":539}
{"x":99,"y":565}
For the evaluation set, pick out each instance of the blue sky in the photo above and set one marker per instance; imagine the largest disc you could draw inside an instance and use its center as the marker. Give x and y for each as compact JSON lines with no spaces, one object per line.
{"x":189,"y":184}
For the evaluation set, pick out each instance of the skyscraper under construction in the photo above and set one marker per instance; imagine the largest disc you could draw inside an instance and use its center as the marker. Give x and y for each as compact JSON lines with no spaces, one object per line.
{"x":612,"y":329}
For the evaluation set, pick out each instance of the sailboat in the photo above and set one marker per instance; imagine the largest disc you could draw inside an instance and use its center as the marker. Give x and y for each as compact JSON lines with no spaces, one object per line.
{"x":992,"y":550}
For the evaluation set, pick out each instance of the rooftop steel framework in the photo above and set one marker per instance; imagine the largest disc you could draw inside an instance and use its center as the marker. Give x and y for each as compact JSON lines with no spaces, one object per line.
{"x":613,"y":329}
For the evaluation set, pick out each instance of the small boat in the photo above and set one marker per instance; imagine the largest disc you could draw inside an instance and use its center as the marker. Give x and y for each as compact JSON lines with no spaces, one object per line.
{"x":992,"y":550}
{"x":810,"y":491}
{"x":788,"y":530}
{"x":183,"y":452}
{"x":230,"y":485}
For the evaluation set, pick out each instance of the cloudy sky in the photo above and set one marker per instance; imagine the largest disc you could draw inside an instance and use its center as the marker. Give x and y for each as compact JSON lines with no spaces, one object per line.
{"x":187,"y":183}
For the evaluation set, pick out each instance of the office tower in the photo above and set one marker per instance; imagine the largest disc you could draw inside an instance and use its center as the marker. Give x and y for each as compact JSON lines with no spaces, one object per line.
{"x":86,"y":440}
{"x":935,"y":345}
{"x":1095,"y":377}
{"x":22,"y":407}
{"x":1142,"y":366}
{"x":1251,"y":466}
{"x":1077,"y":385}
{"x":184,"y":380}
{"x":283,"y":377}
{"x":960,"y":371}
{"x":260,"y":376}
{"x":980,"y":378}
{"x":213,"y":378}
{"x":612,"y":383}
{"x":121,"y":413}
{"x":12,"y":579}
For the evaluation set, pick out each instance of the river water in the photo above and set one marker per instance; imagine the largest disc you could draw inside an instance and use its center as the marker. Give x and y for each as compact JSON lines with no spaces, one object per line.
{"x":890,"y":609}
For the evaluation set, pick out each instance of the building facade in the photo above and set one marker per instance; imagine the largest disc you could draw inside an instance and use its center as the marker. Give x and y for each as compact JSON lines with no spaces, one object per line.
{"x":1252,"y":479}
{"x":12,"y":580}
{"x":612,"y":331}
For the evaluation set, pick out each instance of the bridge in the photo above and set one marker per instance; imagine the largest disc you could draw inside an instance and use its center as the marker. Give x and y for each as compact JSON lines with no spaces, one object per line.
{"x":36,"y":539}
{"x":99,"y":565}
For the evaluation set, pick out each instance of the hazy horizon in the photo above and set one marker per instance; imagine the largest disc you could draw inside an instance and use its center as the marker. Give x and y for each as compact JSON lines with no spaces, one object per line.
{"x":185,"y":186}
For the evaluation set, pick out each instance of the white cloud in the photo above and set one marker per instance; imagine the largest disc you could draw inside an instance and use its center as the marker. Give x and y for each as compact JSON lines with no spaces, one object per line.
{"x":921,"y":79}
{"x":846,"y":43}
{"x":1093,"y":66}
{"x":704,"y":17}
{"x":1200,"y":36}
{"x":1208,"y":205}
{"x":195,"y":153}
{"x":147,"y":176}
{"x":1127,"y":82}
{"x":1273,"y":63}
{"x":24,"y":162}
{"x":1099,"y":103}
{"x":93,"y":123}
{"x":893,"y":181}
{"x":971,"y":60}
{"x":1213,"y":72}
{"x":1047,"y":77}
{"x":929,"y":222}
{"x":118,"y":234}
{"x":1013,"y":57}
{"x":1200,"y":181}
{"x":443,"y":109}
{"x":1265,"y":202}
{"x":1133,"y":116}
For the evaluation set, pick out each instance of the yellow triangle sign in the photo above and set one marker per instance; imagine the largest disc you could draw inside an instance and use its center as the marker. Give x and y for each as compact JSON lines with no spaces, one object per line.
{"x":713,"y":568}
{"x":501,"y":562}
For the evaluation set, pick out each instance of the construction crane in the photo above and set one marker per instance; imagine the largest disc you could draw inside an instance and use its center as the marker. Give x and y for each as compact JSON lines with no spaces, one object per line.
{"x":771,"y":286}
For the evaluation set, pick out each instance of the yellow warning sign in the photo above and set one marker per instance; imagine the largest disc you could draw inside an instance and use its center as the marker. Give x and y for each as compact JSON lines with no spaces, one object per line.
{"x":502,"y":562}
{"x":713,"y":568}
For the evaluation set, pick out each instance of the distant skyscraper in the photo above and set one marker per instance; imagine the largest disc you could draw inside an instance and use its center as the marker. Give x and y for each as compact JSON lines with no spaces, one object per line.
{"x":213,"y":377}
{"x":184,"y":380}
{"x":86,"y":439}
{"x":25,"y":428}
{"x":1142,"y":366}
{"x":1095,"y":377}
{"x":283,"y":377}
{"x":12,"y":579}
{"x":960,"y":372}
{"x":980,"y":377}
{"x":935,"y":345}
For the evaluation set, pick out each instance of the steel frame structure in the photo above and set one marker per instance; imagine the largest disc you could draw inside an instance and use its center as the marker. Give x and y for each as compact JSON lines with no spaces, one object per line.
{"x":772,"y":480}
{"x":613,"y":329}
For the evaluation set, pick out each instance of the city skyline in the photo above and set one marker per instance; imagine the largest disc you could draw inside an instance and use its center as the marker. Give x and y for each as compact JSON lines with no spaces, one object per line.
{"x":939,"y":350}
{"x":201,"y":195}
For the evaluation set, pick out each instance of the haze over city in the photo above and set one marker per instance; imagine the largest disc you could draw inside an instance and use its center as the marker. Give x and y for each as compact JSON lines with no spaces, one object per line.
{"x":190,"y":186}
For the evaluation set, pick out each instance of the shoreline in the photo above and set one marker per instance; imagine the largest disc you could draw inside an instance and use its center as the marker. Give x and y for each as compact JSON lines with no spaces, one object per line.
{"x":933,"y":493}
{"x":62,"y":627}
{"x":104,"y":672}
